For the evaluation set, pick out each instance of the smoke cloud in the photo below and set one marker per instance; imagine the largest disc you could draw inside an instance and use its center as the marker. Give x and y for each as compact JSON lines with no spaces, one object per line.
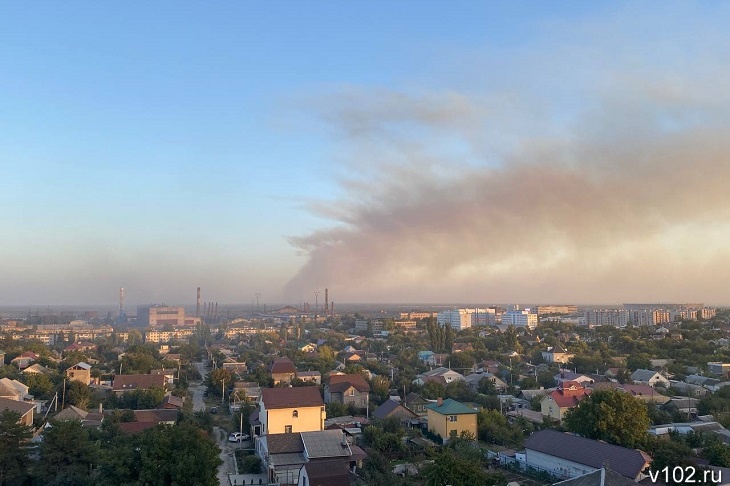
{"x":457,"y":195}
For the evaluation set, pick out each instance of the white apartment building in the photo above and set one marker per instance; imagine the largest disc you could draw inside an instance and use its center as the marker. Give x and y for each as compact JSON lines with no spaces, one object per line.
{"x":458,"y":319}
{"x":520,"y":318}
{"x":606,"y":317}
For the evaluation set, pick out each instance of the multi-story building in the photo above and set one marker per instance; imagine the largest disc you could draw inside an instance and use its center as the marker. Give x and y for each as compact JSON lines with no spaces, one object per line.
{"x":416,"y":315}
{"x":458,"y":319}
{"x":606,"y":317}
{"x":161,"y":315}
{"x":167,"y":336}
{"x":79,"y":372}
{"x":520,"y":318}
{"x":449,"y":417}
{"x":348,"y":389}
{"x":556,"y":309}
{"x":289,"y":410}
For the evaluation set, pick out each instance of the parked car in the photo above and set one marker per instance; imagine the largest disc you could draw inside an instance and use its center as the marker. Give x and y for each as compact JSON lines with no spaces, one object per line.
{"x":213,"y":410}
{"x":238,"y":437}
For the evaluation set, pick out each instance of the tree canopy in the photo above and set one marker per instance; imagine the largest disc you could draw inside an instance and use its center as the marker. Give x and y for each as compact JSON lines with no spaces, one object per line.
{"x":610,"y":415}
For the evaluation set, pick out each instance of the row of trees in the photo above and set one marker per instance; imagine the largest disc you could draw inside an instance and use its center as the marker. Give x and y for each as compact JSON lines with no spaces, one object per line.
{"x":70,"y":454}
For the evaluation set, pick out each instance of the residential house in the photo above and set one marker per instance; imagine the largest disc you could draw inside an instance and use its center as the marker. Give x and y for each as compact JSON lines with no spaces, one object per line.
{"x":600,"y":477}
{"x":557,"y":355}
{"x":14,"y":390}
{"x":416,"y":404}
{"x":25,"y":409}
{"x":147,"y":419}
{"x":234,"y":366}
{"x":688,"y":389}
{"x":283,"y":455}
{"x":684,"y":405}
{"x":87,"y":419}
{"x":79,"y":372}
{"x":282,"y":370}
{"x":25,"y":359}
{"x":83,"y":347}
{"x":36,"y":369}
{"x":288,"y":410}
{"x":567,"y":375}
{"x":567,"y":456}
{"x":447,"y":417}
{"x":649,"y":377}
{"x":310,"y":377}
{"x":247,"y":390}
{"x":348,"y":389}
{"x":425,"y":355}
{"x":440,"y":375}
{"x":170,"y":401}
{"x":169,"y":374}
{"x":645,"y":393}
{"x":324,"y":473}
{"x":126,"y":383}
{"x":474,"y":379}
{"x":392,"y":408}
{"x":566,"y":396}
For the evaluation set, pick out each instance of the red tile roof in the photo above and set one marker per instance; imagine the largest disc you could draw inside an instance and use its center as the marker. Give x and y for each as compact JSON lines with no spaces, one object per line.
{"x":137,"y":382}
{"x":282,"y":365}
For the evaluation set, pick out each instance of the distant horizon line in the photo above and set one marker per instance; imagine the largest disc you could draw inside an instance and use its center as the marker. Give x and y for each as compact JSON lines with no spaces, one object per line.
{"x":343,"y":304}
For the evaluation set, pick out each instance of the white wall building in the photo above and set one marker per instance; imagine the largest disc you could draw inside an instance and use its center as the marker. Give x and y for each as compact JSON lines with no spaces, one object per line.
{"x":520,"y":318}
{"x":458,"y":319}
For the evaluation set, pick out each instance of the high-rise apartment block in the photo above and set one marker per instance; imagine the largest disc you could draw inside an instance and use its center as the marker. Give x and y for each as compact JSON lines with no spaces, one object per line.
{"x":520,"y":318}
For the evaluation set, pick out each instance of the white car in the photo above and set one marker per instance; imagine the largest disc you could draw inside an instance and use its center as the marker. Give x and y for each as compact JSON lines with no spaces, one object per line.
{"x":237,"y":437}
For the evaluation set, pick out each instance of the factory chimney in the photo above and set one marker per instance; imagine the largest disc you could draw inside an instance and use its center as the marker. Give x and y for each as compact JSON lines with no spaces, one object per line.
{"x":197,"y":307}
{"x":326,"y":302}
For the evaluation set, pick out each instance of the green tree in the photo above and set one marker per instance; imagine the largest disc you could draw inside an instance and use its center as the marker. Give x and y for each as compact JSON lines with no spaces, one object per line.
{"x":67,"y":454}
{"x":610,"y":415}
{"x":13,"y":452}
{"x":182,"y":455}
{"x":39,"y":385}
{"x":78,"y":394}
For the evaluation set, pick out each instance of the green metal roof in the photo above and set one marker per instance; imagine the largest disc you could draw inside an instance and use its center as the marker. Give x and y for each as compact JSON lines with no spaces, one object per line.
{"x":450,"y":407}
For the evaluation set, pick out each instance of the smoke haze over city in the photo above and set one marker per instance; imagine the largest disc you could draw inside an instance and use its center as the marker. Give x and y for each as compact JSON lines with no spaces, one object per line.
{"x":491,"y":153}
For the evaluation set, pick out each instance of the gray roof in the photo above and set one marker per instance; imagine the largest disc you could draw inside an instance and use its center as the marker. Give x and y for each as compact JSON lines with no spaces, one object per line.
{"x":593,"y":453}
{"x":284,"y":443}
{"x":602,"y":477}
{"x":16,"y":406}
{"x":643,"y":375}
{"x":326,"y":443}
{"x":388,"y":406}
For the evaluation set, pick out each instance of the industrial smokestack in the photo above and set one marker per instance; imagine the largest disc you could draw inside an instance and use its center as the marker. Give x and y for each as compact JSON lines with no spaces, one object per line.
{"x":326,"y":302}
{"x":332,"y":309}
{"x":215,"y":314}
{"x":197,"y":307}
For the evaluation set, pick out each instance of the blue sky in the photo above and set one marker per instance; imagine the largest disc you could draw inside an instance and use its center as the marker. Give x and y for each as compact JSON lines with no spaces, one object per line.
{"x":181,"y":144}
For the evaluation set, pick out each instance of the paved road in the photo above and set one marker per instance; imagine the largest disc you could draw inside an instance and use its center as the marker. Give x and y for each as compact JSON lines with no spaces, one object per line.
{"x":220,"y":435}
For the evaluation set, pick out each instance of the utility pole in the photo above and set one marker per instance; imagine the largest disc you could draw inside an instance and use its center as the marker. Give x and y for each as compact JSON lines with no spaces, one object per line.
{"x":223,"y":390}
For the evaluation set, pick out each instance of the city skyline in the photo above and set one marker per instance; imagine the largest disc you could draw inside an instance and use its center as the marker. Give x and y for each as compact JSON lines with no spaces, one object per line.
{"x":391,"y":153}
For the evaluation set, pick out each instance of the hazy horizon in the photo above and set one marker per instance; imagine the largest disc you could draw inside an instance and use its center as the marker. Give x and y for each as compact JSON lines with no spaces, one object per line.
{"x":483,"y":152}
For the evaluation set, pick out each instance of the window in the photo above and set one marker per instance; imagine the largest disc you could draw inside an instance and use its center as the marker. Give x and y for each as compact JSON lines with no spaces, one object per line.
{"x":351,"y":392}
{"x":452,"y":418}
{"x":295,"y":414}
{"x":287,"y":429}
